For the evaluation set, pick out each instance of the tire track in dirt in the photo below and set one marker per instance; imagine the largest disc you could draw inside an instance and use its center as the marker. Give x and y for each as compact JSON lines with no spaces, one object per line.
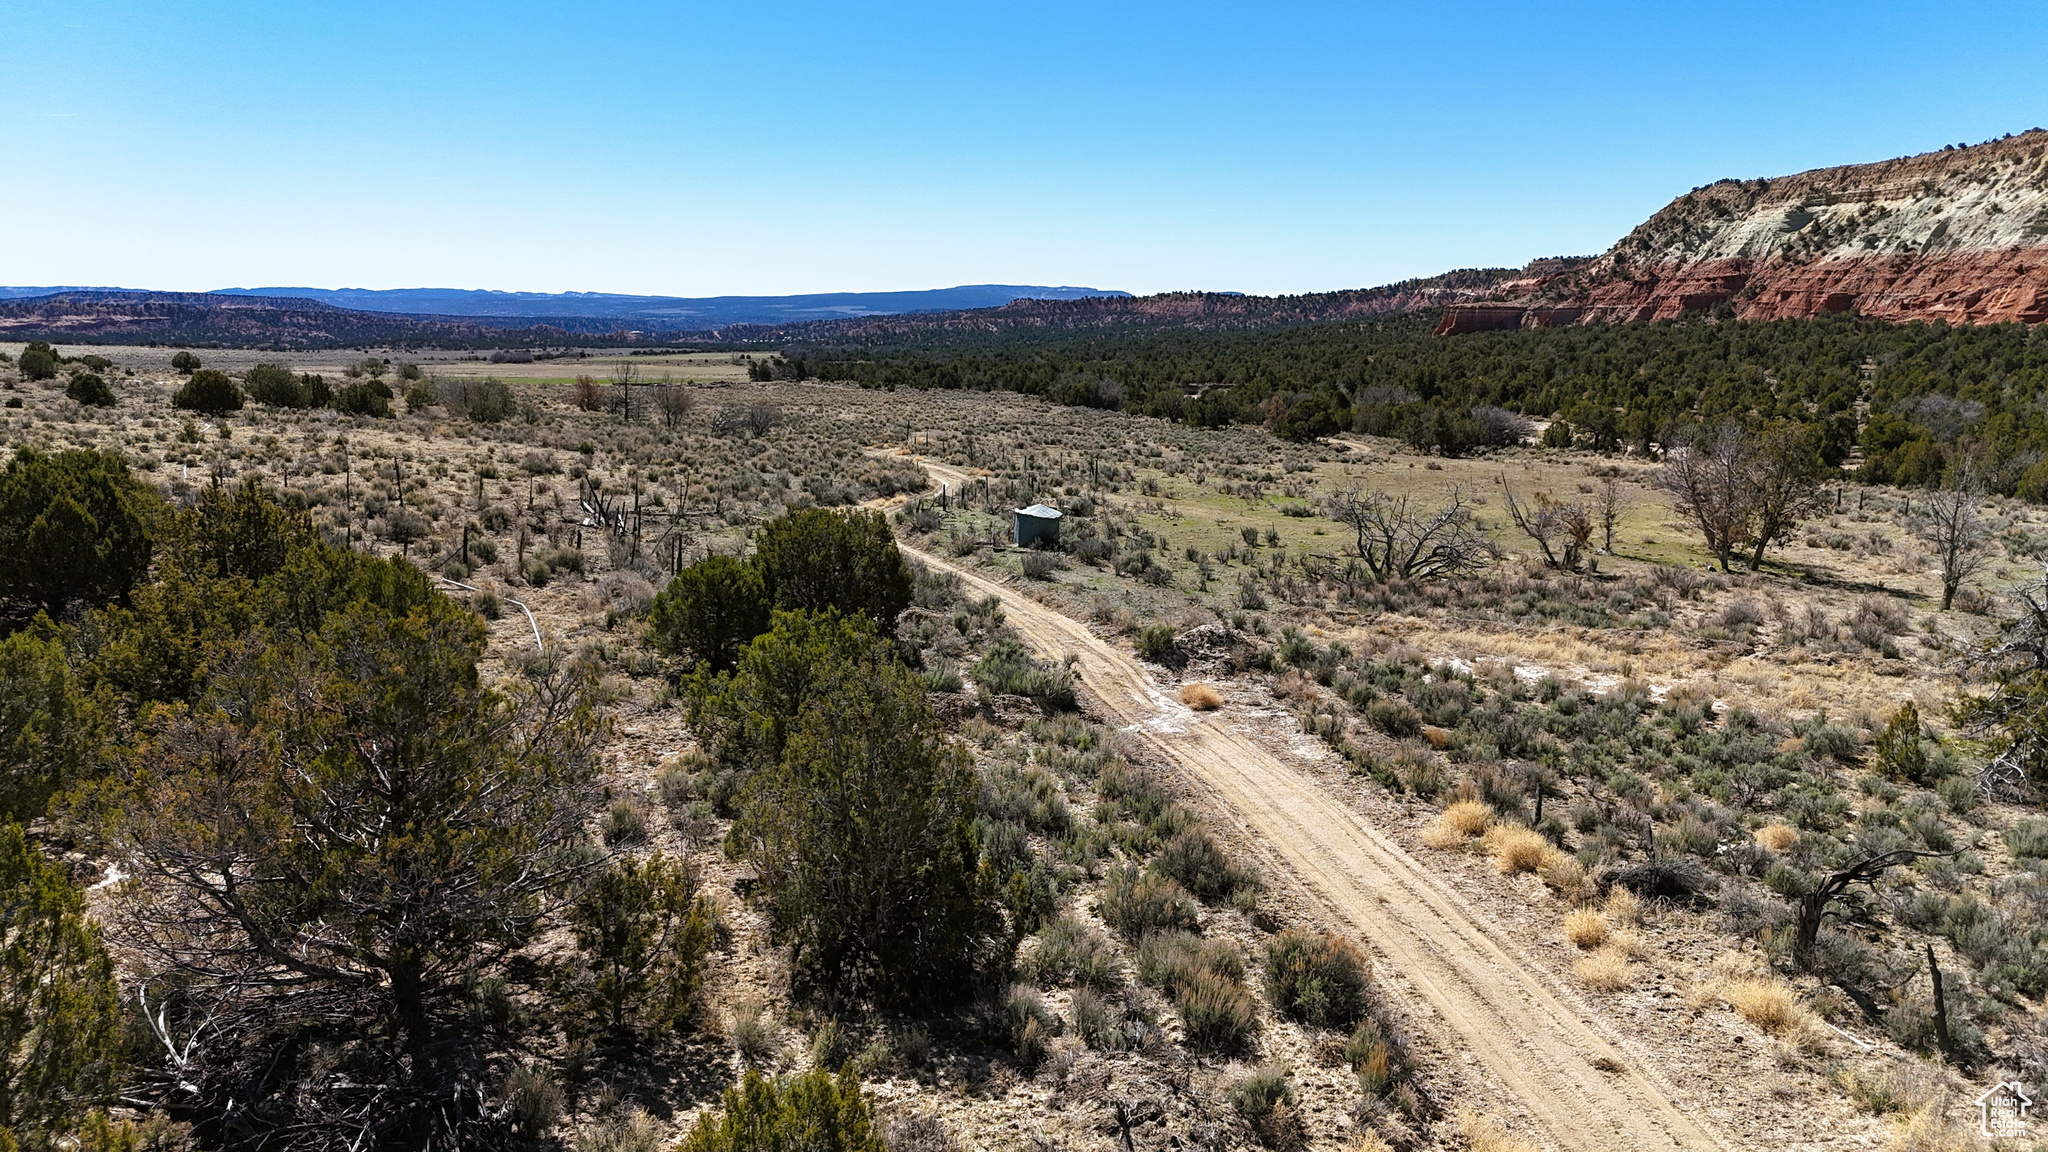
{"x":1504,"y":1008}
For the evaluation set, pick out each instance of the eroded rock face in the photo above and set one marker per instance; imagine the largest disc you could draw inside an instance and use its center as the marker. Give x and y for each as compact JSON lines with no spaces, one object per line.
{"x":1959,"y":235}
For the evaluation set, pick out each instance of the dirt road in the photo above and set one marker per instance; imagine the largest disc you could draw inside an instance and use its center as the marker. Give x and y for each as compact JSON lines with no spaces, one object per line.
{"x":1507,"y":1013}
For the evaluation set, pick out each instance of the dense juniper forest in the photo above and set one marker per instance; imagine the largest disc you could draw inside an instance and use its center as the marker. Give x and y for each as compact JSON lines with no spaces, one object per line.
{"x":1909,"y":396}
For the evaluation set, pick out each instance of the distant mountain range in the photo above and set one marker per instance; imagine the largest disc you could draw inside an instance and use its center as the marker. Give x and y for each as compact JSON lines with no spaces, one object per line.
{"x":643,"y":313}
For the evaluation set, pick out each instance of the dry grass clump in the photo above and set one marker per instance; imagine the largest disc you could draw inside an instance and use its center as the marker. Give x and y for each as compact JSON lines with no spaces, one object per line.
{"x":1485,"y":1133}
{"x":1368,"y":1141}
{"x":1457,"y":824}
{"x":1778,"y":837}
{"x":1586,"y":928}
{"x":1930,"y":1128}
{"x":1608,"y":970}
{"x":1515,"y":849}
{"x":1765,"y":1001}
{"x":1201,"y":697}
{"x":1624,"y":908}
{"x":1563,"y":873}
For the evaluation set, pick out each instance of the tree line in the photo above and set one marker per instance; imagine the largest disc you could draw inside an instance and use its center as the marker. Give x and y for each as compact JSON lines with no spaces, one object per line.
{"x":1914,"y":397}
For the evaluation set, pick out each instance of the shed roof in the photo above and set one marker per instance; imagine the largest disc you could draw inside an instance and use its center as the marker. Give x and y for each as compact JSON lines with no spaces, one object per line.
{"x":1039,"y":511}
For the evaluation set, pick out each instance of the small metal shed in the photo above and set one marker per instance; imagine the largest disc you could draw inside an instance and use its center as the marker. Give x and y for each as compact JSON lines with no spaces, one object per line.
{"x":1035,"y":523}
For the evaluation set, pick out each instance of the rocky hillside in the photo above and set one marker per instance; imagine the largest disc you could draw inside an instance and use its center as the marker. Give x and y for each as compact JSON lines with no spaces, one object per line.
{"x":1959,"y":235}
{"x":1182,"y":311}
{"x":207,"y":318}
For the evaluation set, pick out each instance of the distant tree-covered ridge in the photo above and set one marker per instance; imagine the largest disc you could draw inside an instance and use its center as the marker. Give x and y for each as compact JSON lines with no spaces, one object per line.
{"x":1910,"y":395}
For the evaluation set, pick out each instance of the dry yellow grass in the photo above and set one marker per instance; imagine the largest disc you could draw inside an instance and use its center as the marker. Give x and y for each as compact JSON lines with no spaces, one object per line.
{"x":1607,"y":970}
{"x":1201,"y":697}
{"x":1930,"y":1128}
{"x":1437,"y":737}
{"x":1469,"y":817}
{"x":1515,"y":849}
{"x":1458,"y":823}
{"x":1778,"y":837}
{"x":1567,"y":877}
{"x":1368,"y":1142}
{"x":1585,"y":928}
{"x":1485,"y":1133}
{"x":1623,"y":907}
{"x":1765,"y":1001}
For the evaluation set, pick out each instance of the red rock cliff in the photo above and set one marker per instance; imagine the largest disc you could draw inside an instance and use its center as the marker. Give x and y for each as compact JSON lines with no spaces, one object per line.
{"x":1959,"y":235}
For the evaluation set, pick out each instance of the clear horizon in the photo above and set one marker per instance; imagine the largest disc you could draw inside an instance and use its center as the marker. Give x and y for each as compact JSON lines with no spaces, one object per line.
{"x":692,"y":150}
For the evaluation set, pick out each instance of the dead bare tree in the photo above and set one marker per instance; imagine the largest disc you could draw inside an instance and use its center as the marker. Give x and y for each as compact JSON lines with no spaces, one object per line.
{"x":1397,"y":537}
{"x":1703,"y":471}
{"x":674,"y":402}
{"x":1609,"y":505}
{"x":1956,"y":531}
{"x":1813,"y":906}
{"x":625,"y":374}
{"x":1560,"y":529}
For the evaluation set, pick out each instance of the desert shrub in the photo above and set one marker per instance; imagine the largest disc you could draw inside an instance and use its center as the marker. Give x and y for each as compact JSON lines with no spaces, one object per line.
{"x":1035,"y":565}
{"x":624,"y":824}
{"x":812,"y":1111}
{"x":1155,"y":642}
{"x":1193,"y":858}
{"x":39,"y":362}
{"x":942,"y":676}
{"x":862,"y":828}
{"x":1900,"y":754}
{"x":1319,"y":980}
{"x":1265,"y":1100}
{"x":53,"y":732}
{"x":812,"y":559}
{"x":531,"y":1103}
{"x":1201,"y":697}
{"x":364,"y":398}
{"x":1394,"y":717}
{"x":90,"y":389}
{"x":185,"y":362}
{"x":75,"y":527}
{"x":208,"y":393}
{"x":2028,"y":839}
{"x":1166,"y":960}
{"x":1217,"y":1015}
{"x":59,"y":1012}
{"x":1070,"y":950}
{"x":642,"y":934}
{"x":917,"y":1132}
{"x":1025,"y":1025}
{"x":485,"y":401}
{"x":1009,"y":668}
{"x":276,"y":386}
{"x":620,"y":1126}
{"x":752,"y":1034}
{"x":1137,"y":904}
{"x":711,"y":610}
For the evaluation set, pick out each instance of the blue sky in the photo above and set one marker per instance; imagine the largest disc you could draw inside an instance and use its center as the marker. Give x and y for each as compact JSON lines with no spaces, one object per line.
{"x":702,"y":149}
